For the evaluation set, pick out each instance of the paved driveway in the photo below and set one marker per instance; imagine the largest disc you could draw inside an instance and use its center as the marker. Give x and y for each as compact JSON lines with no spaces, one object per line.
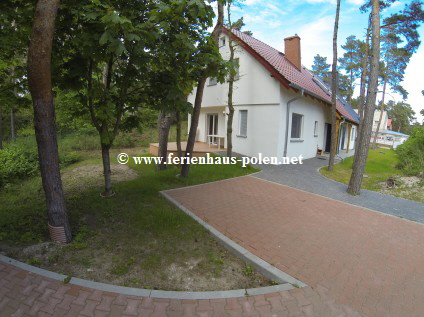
{"x":371,"y":262}
{"x":307,"y":177}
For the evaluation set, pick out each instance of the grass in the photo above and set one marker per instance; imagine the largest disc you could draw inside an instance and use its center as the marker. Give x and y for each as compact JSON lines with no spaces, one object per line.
{"x":381,"y":164}
{"x":135,"y":238}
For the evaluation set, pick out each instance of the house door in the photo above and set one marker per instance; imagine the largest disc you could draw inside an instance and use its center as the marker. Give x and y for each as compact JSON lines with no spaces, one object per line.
{"x":212,"y":127}
{"x":327,"y":137}
{"x":343,"y":136}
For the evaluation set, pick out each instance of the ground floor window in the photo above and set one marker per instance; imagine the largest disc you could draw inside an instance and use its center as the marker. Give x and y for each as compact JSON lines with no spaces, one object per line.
{"x":242,"y":123}
{"x":296,"y":128}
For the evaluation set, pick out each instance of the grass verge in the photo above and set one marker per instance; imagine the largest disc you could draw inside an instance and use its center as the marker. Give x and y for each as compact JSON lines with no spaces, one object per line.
{"x":135,"y":238}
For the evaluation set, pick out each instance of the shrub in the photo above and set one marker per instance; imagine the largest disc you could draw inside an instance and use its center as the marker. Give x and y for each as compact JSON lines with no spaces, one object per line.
{"x":19,"y":160}
{"x":411,"y":153}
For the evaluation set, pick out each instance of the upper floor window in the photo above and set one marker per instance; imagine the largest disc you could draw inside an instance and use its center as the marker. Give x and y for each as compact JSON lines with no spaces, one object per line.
{"x":222,"y":41}
{"x":212,"y":81}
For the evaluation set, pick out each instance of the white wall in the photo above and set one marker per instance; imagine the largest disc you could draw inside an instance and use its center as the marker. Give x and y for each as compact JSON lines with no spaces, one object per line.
{"x":312,"y":111}
{"x":255,"y":85}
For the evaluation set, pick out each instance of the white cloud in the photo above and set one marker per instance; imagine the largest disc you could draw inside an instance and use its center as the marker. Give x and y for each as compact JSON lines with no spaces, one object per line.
{"x":251,"y":2}
{"x":356,"y":2}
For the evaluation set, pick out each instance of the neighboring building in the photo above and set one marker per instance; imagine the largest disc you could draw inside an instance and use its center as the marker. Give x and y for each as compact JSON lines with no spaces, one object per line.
{"x":281,"y":109}
{"x":385,"y":134}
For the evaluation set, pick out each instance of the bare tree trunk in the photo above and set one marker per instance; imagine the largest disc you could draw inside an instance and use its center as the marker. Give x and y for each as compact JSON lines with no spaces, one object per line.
{"x":12,"y":125}
{"x":40,"y":86}
{"x":364,"y":138}
{"x":364,"y":75}
{"x":230,"y":87}
{"x":199,"y":95}
{"x":178,"y":123}
{"x":1,"y":128}
{"x":193,"y":126}
{"x":374,"y":144}
{"x":164,"y":124}
{"x":334,"y":85}
{"x":107,"y":173}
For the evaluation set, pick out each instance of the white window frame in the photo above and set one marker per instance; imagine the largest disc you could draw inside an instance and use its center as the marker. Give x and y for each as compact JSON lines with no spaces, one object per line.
{"x":222,"y":41}
{"x":294,"y":139}
{"x":240,"y":132}
{"x":212,"y":81}
{"x":316,"y":129}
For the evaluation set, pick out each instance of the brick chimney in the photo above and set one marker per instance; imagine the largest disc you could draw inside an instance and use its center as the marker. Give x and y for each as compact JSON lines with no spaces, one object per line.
{"x":292,"y":50}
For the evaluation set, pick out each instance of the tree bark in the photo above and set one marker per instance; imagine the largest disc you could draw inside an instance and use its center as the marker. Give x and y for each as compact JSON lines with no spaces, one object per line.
{"x":12,"y":125}
{"x":199,"y":95}
{"x":193,"y":126}
{"x":40,"y":86}
{"x":334,"y":85}
{"x":230,"y":88}
{"x":106,"y":171}
{"x":364,"y":75}
{"x":164,"y":124}
{"x":1,"y":128}
{"x":374,"y":144}
{"x":178,"y":119}
{"x":365,"y":135}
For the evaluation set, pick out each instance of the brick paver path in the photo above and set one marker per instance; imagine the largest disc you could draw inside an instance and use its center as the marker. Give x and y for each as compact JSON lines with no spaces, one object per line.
{"x":27,"y":294}
{"x":369,"y":261}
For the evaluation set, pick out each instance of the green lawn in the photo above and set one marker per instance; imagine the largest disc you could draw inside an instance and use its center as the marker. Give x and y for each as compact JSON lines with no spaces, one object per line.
{"x":381,"y":164}
{"x":132,"y":238}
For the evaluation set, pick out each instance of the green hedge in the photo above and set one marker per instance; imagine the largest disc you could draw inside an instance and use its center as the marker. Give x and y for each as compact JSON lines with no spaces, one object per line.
{"x":411,"y":153}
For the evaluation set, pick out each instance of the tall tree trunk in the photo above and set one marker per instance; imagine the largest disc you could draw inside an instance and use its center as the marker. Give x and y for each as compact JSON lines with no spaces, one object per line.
{"x":365,"y":135}
{"x":164,"y":124}
{"x":374,"y":144}
{"x":364,"y":75}
{"x":40,"y":86}
{"x":12,"y":125}
{"x":178,"y":123}
{"x":193,"y":126}
{"x":199,"y":95}
{"x":230,"y":87}
{"x":107,"y":173}
{"x":363,"y":85}
{"x":1,"y":128}
{"x":334,"y":85}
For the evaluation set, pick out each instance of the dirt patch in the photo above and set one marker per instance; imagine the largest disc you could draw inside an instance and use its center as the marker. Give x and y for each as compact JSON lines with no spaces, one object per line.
{"x":408,"y":187}
{"x":217,"y":270}
{"x":83,"y":177}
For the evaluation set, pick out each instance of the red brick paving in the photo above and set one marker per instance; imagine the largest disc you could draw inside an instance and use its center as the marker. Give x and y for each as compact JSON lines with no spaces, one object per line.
{"x":366,"y":261}
{"x":353,"y":259}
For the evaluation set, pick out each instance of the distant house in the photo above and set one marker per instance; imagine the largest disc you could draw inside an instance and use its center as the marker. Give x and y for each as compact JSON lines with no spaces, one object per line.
{"x":281,"y":109}
{"x":385,"y":134}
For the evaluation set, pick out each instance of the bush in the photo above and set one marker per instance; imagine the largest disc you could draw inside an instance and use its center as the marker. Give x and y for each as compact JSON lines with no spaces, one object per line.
{"x":411,"y":153}
{"x":19,"y":160}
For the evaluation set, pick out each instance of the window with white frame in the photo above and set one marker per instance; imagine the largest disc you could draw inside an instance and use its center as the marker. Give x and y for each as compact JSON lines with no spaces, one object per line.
{"x":296,"y":128}
{"x":222,"y":41}
{"x":352,"y":136}
{"x":236,"y":68}
{"x":316,"y":128}
{"x":212,"y":81}
{"x":242,"y":123}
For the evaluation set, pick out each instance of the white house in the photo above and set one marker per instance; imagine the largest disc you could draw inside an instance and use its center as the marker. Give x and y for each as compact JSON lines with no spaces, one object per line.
{"x":281,"y":109}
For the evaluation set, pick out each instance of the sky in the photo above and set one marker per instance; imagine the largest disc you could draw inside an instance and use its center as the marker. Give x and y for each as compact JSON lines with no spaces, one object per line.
{"x":313,"y":20}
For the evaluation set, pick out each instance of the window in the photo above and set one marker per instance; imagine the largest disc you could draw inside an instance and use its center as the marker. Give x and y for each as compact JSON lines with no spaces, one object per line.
{"x":296,"y":129}
{"x":242,"y":123}
{"x":212,"y":81}
{"x":316,"y":128}
{"x":222,"y":41}
{"x":352,"y":136}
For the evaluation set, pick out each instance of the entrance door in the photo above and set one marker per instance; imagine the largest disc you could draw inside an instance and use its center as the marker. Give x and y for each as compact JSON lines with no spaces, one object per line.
{"x":212,"y":127}
{"x":327,"y":137}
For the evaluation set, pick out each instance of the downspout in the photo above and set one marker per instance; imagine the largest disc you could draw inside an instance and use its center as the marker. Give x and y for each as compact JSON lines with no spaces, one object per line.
{"x":340,"y":145}
{"x":288,"y":119}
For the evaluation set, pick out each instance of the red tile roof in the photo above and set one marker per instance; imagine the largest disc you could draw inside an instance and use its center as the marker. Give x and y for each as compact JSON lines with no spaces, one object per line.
{"x":285,"y":71}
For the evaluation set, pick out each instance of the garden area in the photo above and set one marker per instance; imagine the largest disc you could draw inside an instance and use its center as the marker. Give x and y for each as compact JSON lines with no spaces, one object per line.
{"x":135,"y":238}
{"x":397,"y":172}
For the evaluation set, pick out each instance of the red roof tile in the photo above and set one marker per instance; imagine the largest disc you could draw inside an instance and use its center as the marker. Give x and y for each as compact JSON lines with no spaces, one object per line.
{"x":300,"y":78}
